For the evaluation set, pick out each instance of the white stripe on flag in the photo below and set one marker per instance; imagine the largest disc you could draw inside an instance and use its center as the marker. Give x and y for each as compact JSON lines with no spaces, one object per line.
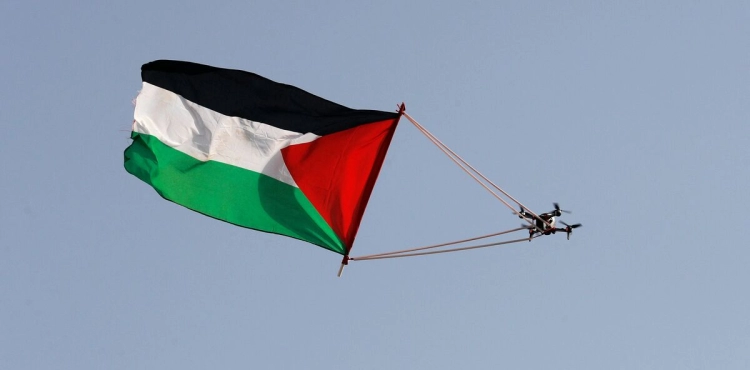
{"x":207,"y":135}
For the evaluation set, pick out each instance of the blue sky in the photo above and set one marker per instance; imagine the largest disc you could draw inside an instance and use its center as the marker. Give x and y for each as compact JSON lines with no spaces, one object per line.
{"x":633,"y":115}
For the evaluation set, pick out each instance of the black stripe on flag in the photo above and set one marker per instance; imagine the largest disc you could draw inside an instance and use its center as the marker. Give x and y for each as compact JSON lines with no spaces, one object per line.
{"x":247,"y":95}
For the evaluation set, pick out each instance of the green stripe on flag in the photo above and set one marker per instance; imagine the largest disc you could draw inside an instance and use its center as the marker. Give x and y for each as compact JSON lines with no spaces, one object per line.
{"x":228,"y":193}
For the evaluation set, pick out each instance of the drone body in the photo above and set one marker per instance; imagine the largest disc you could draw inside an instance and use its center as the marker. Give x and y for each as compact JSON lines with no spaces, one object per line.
{"x":545,"y":223}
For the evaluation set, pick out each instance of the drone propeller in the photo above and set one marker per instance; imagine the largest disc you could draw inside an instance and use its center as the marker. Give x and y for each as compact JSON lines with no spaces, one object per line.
{"x":524,"y":214}
{"x":557,"y":208}
{"x":569,"y":228}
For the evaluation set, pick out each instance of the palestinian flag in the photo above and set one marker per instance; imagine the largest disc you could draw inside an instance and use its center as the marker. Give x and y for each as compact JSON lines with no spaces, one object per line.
{"x":255,"y":153}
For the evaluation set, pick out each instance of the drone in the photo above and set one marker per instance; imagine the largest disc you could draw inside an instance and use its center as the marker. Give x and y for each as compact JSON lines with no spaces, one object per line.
{"x":544,"y":224}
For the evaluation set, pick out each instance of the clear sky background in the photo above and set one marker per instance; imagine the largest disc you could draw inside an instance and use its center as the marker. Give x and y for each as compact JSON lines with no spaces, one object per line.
{"x":634,"y":115}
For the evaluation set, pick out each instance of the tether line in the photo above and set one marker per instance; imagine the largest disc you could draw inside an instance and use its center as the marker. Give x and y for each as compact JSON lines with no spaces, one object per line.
{"x":441,"y":251}
{"x":466,"y":167}
{"x":373,"y":256}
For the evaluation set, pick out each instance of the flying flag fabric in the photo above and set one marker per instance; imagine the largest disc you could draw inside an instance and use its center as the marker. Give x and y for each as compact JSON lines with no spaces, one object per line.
{"x":256,"y":153}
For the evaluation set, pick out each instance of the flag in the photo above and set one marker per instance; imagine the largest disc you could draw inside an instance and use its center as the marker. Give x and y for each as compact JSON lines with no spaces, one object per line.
{"x":243,"y":149}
